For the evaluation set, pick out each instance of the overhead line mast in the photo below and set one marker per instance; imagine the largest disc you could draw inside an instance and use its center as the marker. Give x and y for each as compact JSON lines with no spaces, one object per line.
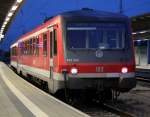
{"x":120,"y":6}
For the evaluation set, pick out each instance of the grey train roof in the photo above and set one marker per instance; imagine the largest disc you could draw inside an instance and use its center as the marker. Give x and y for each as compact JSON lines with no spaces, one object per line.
{"x":92,"y":13}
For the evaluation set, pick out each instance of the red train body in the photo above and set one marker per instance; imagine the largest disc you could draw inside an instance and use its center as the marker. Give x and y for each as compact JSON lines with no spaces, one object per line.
{"x":83,"y":49}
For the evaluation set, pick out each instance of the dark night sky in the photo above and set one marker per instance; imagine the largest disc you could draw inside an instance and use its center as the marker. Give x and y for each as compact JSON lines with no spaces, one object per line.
{"x":33,"y":12}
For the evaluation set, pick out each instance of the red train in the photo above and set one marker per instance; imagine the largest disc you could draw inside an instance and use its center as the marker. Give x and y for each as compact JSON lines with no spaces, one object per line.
{"x":79,"y":50}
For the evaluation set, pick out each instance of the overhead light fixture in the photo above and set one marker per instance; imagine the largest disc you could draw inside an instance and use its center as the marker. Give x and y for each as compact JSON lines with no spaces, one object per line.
{"x":1,"y":36}
{"x":19,"y":1}
{"x":3,"y":26}
{"x":5,"y":22}
{"x":142,"y":32}
{"x":10,"y":14}
{"x":134,"y":33}
{"x":7,"y":19}
{"x":14,"y":7}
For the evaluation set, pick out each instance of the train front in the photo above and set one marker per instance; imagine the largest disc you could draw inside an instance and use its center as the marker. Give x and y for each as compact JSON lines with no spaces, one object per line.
{"x":98,"y":53}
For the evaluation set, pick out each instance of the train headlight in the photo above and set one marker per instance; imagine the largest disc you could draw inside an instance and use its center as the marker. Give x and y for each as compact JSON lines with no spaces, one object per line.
{"x":74,"y":70}
{"x":124,"y":70}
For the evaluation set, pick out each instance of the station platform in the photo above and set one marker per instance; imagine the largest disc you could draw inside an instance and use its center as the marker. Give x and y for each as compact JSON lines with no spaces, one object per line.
{"x":146,"y":67}
{"x":19,"y":98}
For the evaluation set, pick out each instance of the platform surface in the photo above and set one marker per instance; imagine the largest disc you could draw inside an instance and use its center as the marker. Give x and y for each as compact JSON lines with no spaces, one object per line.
{"x":19,"y":98}
{"x":143,"y":67}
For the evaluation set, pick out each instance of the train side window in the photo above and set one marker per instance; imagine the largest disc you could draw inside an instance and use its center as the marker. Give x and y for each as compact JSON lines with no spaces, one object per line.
{"x":23,"y":47}
{"x":11,"y":52}
{"x":33,"y":46}
{"x":30,"y":47}
{"x":26,"y":47}
{"x":37,"y":46}
{"x":51,"y":51}
{"x":55,"y":42}
{"x":45,"y":44}
{"x":14,"y":51}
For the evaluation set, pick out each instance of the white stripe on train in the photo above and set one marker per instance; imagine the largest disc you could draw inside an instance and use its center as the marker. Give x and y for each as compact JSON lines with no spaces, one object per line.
{"x":45,"y":74}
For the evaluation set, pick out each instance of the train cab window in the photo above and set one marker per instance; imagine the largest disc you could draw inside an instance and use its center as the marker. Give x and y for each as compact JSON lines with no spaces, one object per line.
{"x":74,"y":35}
{"x":45,"y":44}
{"x":37,"y":46}
{"x":55,"y":42}
{"x":115,"y":38}
{"x":95,"y":35}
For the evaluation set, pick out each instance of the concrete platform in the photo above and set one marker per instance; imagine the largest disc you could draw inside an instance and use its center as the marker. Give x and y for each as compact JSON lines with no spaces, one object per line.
{"x":143,"y":67}
{"x":19,"y":98}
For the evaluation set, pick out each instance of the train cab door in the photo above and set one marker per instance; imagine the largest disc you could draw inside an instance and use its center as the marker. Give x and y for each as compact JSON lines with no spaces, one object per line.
{"x":53,"y":57}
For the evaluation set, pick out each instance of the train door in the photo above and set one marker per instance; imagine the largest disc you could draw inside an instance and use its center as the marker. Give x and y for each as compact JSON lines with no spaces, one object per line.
{"x":53,"y":57}
{"x":51,"y":54}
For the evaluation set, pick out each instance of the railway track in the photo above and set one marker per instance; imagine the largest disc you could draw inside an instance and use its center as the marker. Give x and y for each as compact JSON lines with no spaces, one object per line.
{"x":109,"y":110}
{"x":118,"y":111}
{"x":143,"y":79}
{"x":143,"y":75}
{"x":102,"y":110}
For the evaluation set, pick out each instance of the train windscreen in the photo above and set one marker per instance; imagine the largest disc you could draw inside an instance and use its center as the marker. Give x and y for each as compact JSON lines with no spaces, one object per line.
{"x":95,"y":35}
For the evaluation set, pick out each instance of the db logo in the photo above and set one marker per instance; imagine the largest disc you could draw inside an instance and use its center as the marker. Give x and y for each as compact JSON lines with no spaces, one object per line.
{"x":99,"y":53}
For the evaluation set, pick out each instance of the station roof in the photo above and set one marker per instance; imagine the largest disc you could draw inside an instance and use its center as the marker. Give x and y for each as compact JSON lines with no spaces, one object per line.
{"x":5,"y":6}
{"x":8,"y":9}
{"x":141,"y":26}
